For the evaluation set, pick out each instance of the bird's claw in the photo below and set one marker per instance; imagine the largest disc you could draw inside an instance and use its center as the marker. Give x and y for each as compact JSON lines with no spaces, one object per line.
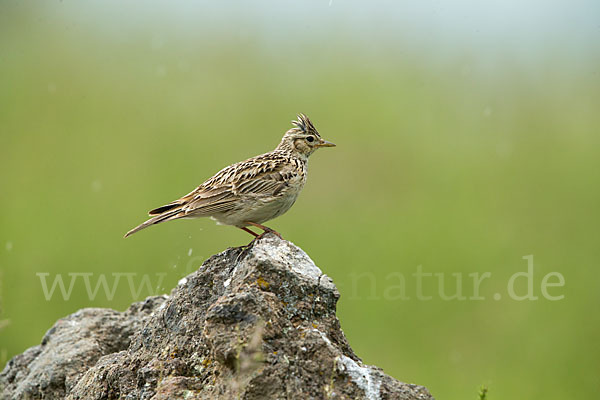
{"x":269,"y":230}
{"x":248,"y":246}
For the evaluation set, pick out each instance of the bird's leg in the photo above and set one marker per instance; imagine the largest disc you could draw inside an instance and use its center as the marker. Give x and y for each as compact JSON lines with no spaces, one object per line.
{"x":249,"y":231}
{"x":265,"y":229}
{"x":256,"y":237}
{"x":248,"y":246}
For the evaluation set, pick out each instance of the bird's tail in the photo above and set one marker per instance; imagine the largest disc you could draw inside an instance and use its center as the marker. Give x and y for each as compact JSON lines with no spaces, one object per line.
{"x":167,"y":216}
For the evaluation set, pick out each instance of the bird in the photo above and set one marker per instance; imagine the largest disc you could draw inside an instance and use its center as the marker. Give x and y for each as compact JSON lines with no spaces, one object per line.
{"x":250,"y":192}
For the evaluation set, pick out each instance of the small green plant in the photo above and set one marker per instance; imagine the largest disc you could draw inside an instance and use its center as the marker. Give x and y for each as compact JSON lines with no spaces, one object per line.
{"x":3,"y":322}
{"x":483,"y":392}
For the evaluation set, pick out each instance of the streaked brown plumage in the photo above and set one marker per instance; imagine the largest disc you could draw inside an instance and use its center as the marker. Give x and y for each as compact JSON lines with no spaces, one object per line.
{"x":250,"y":192}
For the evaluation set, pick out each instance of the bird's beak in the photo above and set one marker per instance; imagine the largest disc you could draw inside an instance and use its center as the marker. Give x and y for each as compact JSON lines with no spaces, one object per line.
{"x":325,"y":143}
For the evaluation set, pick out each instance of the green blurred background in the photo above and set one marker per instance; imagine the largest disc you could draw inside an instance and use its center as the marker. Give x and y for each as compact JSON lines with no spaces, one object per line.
{"x":467,"y":138}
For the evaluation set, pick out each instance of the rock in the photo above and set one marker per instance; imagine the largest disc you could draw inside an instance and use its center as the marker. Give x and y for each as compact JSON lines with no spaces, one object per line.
{"x":256,"y":323}
{"x":72,"y":346}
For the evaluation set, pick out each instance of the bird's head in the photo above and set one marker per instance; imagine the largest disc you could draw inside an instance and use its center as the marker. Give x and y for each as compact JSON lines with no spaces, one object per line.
{"x":303,"y":139}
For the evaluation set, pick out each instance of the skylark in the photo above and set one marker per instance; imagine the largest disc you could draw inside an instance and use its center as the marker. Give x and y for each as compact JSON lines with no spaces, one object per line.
{"x":250,"y":192}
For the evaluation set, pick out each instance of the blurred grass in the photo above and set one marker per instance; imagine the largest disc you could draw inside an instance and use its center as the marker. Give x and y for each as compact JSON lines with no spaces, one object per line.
{"x":439,"y":164}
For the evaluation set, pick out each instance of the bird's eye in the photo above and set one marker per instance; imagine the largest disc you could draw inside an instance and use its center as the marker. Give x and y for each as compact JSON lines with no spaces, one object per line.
{"x":310,"y":139}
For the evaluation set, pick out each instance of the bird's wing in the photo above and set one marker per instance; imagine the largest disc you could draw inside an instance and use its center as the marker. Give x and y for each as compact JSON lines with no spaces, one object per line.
{"x":267,"y":174}
{"x":261,"y":175}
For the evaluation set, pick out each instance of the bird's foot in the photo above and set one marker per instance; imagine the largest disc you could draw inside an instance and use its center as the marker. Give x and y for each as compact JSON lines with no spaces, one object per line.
{"x":257,"y":237}
{"x":245,"y":249}
{"x":267,"y":231}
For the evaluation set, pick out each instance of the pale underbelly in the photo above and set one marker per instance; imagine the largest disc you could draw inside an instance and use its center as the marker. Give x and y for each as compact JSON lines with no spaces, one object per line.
{"x":257,"y":210}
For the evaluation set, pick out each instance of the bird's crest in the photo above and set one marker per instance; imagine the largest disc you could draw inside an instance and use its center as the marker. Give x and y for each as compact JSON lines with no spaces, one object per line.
{"x":303,"y":125}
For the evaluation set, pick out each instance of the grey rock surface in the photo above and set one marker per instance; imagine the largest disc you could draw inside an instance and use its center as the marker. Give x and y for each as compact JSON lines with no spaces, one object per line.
{"x":256,"y":323}
{"x":72,"y":346}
